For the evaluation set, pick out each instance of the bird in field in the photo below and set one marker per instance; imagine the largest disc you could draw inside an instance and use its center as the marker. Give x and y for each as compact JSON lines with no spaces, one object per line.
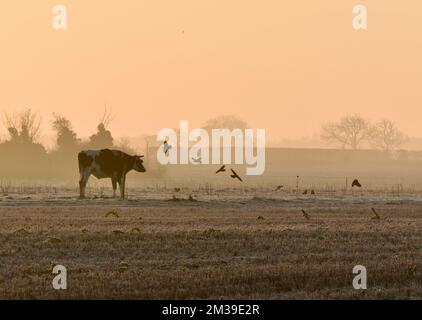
{"x":356,"y":183}
{"x":222,"y":169}
{"x":376,"y":215}
{"x":197,"y":160}
{"x":166,"y":147}
{"x":234,"y":175}
{"x":305,"y":192}
{"x":306,"y":215}
{"x":279,"y":187}
{"x":112,"y":213}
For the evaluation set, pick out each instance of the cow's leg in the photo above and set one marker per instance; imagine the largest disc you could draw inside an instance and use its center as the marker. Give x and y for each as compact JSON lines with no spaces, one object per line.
{"x":84,"y":176}
{"x":122,"y":186}
{"x":114,"y":184}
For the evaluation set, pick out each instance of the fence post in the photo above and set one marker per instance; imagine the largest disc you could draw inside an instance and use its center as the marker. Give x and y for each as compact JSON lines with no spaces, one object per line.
{"x":347,"y":183}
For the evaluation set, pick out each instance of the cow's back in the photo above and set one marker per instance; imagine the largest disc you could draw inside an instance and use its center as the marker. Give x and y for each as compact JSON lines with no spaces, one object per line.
{"x":110,"y":160}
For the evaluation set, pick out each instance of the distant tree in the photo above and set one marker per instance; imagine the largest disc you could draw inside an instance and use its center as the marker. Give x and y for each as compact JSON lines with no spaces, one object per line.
{"x":102,"y":138}
{"x":66,"y":137}
{"x":350,"y":131}
{"x":23,"y":127}
{"x":123,"y":144}
{"x":22,"y":155}
{"x":225,"y":122}
{"x":386,"y":136}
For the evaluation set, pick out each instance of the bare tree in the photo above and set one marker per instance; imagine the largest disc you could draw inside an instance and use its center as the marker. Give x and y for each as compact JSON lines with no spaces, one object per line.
{"x":124,"y":145}
{"x":24,"y":126}
{"x":107,"y":117}
{"x":225,"y":122}
{"x":103,"y":137}
{"x":386,"y":136}
{"x":350,"y":131}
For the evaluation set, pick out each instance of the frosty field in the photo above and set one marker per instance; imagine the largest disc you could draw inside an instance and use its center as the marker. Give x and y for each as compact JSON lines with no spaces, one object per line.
{"x":222,"y":243}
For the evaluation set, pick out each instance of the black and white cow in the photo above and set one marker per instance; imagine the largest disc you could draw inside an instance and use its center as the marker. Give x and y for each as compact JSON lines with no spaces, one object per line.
{"x":107,"y":163}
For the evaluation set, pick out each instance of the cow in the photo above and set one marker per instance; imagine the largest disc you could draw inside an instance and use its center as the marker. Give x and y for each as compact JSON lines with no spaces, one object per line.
{"x":107,"y":163}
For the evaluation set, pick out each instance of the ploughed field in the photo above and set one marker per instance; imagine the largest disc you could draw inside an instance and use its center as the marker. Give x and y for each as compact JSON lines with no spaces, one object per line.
{"x":241,"y":248}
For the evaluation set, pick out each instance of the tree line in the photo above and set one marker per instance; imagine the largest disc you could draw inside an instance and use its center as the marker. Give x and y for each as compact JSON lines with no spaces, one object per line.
{"x":24,"y":156}
{"x":354,"y":131}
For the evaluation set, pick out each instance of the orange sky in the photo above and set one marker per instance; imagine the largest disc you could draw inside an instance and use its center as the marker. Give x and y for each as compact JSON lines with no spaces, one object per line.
{"x":286,"y":66}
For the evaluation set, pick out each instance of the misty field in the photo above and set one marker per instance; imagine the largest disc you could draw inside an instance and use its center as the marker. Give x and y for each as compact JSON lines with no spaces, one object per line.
{"x":248,"y":247}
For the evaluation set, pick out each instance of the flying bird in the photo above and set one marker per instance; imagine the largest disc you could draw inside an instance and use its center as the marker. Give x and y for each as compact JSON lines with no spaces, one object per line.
{"x":356,"y":183}
{"x":279,"y":187}
{"x":222,"y":169}
{"x":376,"y":215}
{"x":305,"y":192}
{"x":234,"y":175}
{"x":197,"y":160}
{"x":166,"y":147}
{"x":306,"y":215}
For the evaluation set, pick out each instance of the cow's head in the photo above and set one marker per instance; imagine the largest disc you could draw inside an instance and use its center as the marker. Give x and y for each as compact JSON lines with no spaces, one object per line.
{"x":138,"y":165}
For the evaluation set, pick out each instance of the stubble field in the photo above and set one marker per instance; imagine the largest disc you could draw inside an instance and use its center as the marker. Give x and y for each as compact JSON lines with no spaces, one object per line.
{"x":253,"y":248}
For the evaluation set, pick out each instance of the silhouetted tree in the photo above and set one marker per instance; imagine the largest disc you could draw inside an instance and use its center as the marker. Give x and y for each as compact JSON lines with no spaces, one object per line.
{"x":22,"y":155}
{"x":349,"y":131}
{"x":386,"y":136}
{"x":23,"y":127}
{"x":102,"y":138}
{"x":123,"y":144}
{"x":66,"y":138}
{"x":225,"y":122}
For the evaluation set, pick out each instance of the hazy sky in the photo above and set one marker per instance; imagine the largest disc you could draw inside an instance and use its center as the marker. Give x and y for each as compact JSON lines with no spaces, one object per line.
{"x":286,"y":66}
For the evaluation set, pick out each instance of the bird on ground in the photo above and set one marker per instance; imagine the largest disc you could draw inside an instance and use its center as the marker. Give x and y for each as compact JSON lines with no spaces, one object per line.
{"x":197,"y":160}
{"x":166,"y":147}
{"x":279,"y":187}
{"x":306,"y":215}
{"x":112,"y":213}
{"x":376,"y":215}
{"x":356,"y":183}
{"x":305,"y":192}
{"x":234,"y":175}
{"x":222,"y":169}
